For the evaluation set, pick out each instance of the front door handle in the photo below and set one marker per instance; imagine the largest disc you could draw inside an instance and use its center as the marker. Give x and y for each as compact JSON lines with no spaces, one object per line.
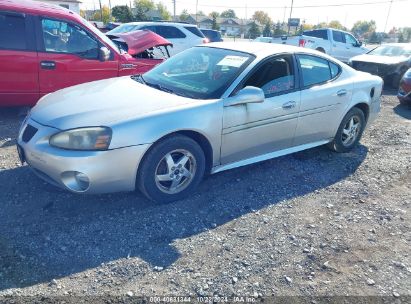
{"x":48,"y":65}
{"x":289,"y":105}
{"x":342,"y":92}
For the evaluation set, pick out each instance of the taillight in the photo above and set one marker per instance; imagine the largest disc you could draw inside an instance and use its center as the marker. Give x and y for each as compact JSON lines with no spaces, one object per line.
{"x":301,"y":42}
{"x":206,"y":40}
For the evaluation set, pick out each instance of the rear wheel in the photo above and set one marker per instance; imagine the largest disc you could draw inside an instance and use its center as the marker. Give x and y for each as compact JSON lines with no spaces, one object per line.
{"x":349,"y":132}
{"x":172,"y":169}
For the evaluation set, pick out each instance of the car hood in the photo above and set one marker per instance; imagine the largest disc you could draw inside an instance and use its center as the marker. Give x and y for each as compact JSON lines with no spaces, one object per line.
{"x":139,"y":41}
{"x":103,"y":103}
{"x":379,"y":59}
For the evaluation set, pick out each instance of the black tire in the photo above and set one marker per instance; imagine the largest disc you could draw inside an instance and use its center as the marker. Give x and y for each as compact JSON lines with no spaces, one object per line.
{"x":320,"y":50}
{"x":338,"y":144}
{"x":155,"y":160}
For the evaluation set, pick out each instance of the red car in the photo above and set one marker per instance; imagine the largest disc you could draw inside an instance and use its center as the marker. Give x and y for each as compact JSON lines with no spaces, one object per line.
{"x":404,"y":92}
{"x":44,"y":48}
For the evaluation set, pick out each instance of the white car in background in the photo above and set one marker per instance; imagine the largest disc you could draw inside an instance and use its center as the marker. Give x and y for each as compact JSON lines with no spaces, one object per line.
{"x":338,"y":44}
{"x":181,"y":35}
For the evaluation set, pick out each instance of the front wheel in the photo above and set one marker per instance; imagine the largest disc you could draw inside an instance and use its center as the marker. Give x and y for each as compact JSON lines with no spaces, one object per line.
{"x":349,"y":132}
{"x":172,"y":169}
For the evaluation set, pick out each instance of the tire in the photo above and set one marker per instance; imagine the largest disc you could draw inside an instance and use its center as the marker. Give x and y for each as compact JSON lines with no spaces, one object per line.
{"x":171,"y":169}
{"x":395,"y":82}
{"x":344,"y":142}
{"x":320,"y":50}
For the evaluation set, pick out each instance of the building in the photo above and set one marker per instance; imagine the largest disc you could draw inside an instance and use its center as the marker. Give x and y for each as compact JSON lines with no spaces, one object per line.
{"x":228,"y":26}
{"x":73,"y":5}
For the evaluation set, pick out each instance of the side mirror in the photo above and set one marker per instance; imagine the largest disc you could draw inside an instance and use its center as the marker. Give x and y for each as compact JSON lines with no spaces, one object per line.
{"x":104,"y":54}
{"x":246,"y":95}
{"x":358,"y":44}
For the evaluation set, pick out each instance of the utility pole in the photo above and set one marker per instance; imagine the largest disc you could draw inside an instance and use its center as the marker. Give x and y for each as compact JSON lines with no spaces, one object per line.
{"x":388,"y":15}
{"x":196,"y":12}
{"x":101,"y":11}
{"x":109,"y":5}
{"x":174,"y":5}
{"x":291,"y":12}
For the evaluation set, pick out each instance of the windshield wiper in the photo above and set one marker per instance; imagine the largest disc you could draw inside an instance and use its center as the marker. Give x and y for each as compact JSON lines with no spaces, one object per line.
{"x":160,"y":87}
{"x":139,"y":78}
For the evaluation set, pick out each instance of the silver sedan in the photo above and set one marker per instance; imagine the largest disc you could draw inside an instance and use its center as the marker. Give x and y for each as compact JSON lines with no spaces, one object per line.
{"x":205,"y":110}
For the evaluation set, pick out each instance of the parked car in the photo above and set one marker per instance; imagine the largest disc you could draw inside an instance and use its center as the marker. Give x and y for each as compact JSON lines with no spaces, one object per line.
{"x":44,"y":48}
{"x":212,"y":35}
{"x":339,"y":44}
{"x":181,"y":35}
{"x":208,"y":109}
{"x":389,"y":61}
{"x":264,"y":39}
{"x":404,"y":91}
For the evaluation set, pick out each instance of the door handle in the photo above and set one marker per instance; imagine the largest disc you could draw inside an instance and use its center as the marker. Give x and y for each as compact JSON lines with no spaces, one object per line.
{"x":289,"y":105}
{"x":342,"y":92}
{"x":48,"y":65}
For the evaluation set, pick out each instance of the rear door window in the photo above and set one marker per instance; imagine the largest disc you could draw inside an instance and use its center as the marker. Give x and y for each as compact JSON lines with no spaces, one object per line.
{"x":316,"y":70}
{"x":338,"y":36}
{"x":12,"y":31}
{"x":169,"y":32}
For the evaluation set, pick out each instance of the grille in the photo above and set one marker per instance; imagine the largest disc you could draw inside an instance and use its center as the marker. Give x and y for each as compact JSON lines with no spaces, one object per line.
{"x":372,"y":68}
{"x":28,"y":133}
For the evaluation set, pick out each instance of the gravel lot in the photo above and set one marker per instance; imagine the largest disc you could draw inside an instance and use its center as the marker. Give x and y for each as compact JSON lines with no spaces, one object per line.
{"x":313,"y":223}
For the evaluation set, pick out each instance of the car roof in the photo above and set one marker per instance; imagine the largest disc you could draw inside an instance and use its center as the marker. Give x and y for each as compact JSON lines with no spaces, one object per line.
{"x":260,"y":48}
{"x":33,"y":7}
{"x":159,"y":23}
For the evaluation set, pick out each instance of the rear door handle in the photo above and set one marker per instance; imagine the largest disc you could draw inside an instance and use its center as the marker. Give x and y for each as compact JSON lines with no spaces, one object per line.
{"x":48,"y":65}
{"x":289,"y":105}
{"x":342,"y":92}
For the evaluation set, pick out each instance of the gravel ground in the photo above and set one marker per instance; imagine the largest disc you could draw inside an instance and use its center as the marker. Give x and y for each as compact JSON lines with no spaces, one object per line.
{"x":314,"y":223}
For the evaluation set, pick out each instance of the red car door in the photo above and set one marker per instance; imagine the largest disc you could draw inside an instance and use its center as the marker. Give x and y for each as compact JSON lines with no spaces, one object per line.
{"x":70,"y":55}
{"x":18,"y":60}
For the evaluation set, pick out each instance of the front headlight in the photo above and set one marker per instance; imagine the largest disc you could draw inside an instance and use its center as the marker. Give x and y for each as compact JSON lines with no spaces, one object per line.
{"x":91,"y":139}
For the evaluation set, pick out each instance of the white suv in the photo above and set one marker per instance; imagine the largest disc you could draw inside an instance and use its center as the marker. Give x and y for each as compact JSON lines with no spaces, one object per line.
{"x":181,"y":35}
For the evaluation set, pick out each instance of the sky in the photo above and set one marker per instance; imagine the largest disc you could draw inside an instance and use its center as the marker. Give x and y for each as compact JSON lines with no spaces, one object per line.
{"x":313,"y":12}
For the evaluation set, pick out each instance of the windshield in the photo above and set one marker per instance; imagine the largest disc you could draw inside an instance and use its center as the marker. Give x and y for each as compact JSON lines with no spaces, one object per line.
{"x":391,"y":50}
{"x":199,"y":72}
{"x":124,"y":28}
{"x":97,"y":32}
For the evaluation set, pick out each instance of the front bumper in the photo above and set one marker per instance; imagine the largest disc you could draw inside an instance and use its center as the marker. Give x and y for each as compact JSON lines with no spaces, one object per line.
{"x":403,"y":96}
{"x":80,"y":171}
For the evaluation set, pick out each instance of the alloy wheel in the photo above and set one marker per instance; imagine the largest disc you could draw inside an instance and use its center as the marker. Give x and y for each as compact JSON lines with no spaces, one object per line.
{"x":175,"y":171}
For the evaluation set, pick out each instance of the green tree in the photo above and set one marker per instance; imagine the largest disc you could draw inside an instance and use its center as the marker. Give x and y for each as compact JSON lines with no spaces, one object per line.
{"x":106,"y":15}
{"x":165,"y":14}
{"x":214,"y":14}
{"x":254,"y":31}
{"x":215,"y":25}
{"x":228,"y":14}
{"x":83,"y":13}
{"x":278,"y":29}
{"x":122,"y":13}
{"x":142,"y":7}
{"x":262,"y":17}
{"x":363,"y":27}
{"x":267,"y":30}
{"x":184,"y":15}
{"x":200,"y":13}
{"x":337,"y":25}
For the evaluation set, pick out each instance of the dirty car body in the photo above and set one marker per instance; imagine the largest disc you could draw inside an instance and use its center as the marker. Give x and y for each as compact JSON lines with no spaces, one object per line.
{"x":205,"y":110}
{"x":389,"y":61}
{"x":404,"y":91}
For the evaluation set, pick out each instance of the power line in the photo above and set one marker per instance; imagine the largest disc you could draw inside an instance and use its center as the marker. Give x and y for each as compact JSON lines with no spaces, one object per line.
{"x":300,"y":6}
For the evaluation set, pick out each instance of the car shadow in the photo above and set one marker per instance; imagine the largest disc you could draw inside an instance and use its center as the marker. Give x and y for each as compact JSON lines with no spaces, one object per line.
{"x":48,"y":233}
{"x":403,"y":111}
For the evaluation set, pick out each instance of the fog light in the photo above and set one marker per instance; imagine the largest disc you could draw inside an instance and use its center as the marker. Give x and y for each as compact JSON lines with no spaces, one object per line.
{"x":75,"y":181}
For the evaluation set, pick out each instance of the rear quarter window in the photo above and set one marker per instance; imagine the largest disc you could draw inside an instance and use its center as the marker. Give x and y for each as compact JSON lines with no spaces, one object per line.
{"x":169,"y":32}
{"x":12,"y":32}
{"x":195,"y":31}
{"x":317,"y":33}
